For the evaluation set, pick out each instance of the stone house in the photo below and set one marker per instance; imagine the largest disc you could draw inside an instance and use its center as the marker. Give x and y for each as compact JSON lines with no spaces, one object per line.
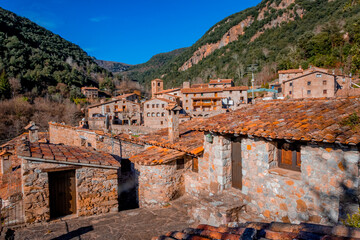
{"x":55,"y":180}
{"x":133,"y":97}
{"x":315,"y":84}
{"x":155,"y":113}
{"x":222,"y":83}
{"x":90,"y":92}
{"x":291,"y":161}
{"x":119,"y":111}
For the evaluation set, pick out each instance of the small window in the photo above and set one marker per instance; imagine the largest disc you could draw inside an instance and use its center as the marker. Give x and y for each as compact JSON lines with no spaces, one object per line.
{"x":158,"y":114}
{"x":163,"y":114}
{"x":230,"y":92}
{"x":187,"y":101}
{"x":153,"y":114}
{"x":289,"y":156}
{"x":163,"y":105}
{"x":290,"y":84}
{"x":343,"y":79}
{"x":187,"y":108}
{"x":318,"y":75}
{"x":148,"y":114}
{"x":158,"y":84}
{"x":324,"y":82}
{"x":202,"y":94}
{"x":107,"y":109}
{"x":186,"y":95}
{"x":180,"y":163}
{"x":153,"y":106}
{"x":289,"y":92}
{"x":324,"y":91}
{"x":175,"y":94}
{"x":194,"y":94}
{"x":308,"y":92}
{"x":309,"y":83}
{"x":147,"y":105}
{"x":157,"y":105}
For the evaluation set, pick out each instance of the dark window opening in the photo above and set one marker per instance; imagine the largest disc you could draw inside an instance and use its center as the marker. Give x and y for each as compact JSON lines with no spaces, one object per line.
{"x":180,"y":163}
{"x":195,"y":165}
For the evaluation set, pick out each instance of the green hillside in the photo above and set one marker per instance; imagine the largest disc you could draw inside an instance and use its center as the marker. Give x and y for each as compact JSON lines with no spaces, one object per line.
{"x":34,"y":60}
{"x":318,"y":32}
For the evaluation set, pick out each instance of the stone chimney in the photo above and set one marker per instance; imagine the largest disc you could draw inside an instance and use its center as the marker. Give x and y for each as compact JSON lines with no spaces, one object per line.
{"x":186,"y":84}
{"x":33,"y":132}
{"x":173,"y":122}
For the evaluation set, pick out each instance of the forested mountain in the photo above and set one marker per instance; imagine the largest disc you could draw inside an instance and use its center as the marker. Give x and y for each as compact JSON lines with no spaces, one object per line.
{"x":276,"y":34}
{"x":36,"y":61}
{"x":114,"y":67}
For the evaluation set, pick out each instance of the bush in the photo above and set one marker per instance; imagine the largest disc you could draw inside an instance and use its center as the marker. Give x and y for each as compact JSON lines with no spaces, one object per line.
{"x":353,"y":220}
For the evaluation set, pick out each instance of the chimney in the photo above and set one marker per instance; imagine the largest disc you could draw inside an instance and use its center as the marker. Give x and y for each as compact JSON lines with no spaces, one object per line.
{"x":173,"y":122}
{"x":5,"y":163}
{"x":186,"y":84}
{"x":33,"y":132}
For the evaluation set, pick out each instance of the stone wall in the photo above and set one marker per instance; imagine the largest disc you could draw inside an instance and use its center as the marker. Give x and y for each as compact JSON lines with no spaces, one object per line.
{"x":84,"y":137}
{"x":323,"y":192}
{"x":96,"y":190}
{"x":158,"y":185}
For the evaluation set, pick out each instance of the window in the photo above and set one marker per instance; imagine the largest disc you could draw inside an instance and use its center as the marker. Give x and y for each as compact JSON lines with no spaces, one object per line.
{"x":290,"y":84}
{"x":309,"y":83}
{"x":187,"y":101}
{"x":158,"y":114}
{"x":186,"y":95}
{"x":153,"y":114}
{"x":158,"y":84}
{"x":148,"y":114}
{"x":324,"y":82}
{"x":161,"y":123}
{"x":318,"y":75}
{"x":163,"y":105}
{"x":194,"y":94}
{"x":289,"y":156}
{"x":153,"y":106}
{"x":343,"y":79}
{"x":289,"y":92}
{"x":157,"y":105}
{"x":175,"y":94}
{"x":308,"y":92}
{"x":163,"y":114}
{"x":202,"y":94}
{"x":324,"y":91}
{"x":230,"y":92}
{"x":187,"y":108}
{"x":107,"y":109}
{"x":180,"y":164}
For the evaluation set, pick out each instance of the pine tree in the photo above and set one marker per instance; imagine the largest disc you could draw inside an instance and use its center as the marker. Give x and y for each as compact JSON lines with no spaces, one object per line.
{"x":5,"y":87}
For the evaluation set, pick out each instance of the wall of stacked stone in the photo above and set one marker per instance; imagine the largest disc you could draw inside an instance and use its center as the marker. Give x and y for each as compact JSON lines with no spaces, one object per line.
{"x":159,"y":184}
{"x":96,"y":190}
{"x":320,"y":194}
{"x":97,"y":123}
{"x":72,"y":136}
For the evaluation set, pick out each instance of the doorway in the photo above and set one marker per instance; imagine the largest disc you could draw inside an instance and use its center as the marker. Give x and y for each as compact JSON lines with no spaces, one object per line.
{"x":236,"y":164}
{"x":62,"y":193}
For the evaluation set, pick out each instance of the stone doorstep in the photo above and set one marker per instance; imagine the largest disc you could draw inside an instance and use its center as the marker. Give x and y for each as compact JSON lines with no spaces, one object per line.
{"x":223,"y":208}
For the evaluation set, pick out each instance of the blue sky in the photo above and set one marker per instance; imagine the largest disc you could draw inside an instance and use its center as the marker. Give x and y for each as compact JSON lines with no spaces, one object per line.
{"x":127,"y":31}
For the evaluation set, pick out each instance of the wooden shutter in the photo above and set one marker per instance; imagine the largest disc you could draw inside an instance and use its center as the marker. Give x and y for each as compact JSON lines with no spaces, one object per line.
{"x":236,"y":164}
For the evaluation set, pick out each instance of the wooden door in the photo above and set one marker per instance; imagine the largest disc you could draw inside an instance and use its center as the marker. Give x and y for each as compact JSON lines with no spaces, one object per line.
{"x":62,"y":193}
{"x":236,"y":164}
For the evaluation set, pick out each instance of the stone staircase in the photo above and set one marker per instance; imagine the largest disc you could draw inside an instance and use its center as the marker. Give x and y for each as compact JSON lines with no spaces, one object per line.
{"x":229,"y":207}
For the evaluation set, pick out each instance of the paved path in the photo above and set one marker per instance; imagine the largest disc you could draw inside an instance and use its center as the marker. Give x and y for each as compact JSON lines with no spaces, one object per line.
{"x":125,"y":225}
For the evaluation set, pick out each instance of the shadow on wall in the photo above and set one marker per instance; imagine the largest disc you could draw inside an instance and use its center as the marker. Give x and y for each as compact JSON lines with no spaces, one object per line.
{"x":338,"y":194}
{"x":127,"y":186}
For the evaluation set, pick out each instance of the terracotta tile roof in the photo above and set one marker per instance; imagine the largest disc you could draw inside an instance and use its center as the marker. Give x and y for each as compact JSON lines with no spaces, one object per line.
{"x":307,"y":74}
{"x":111,"y":101}
{"x":220,"y":81}
{"x":161,"y":99}
{"x":156,"y":155}
{"x":274,"y":231}
{"x":89,"y":88}
{"x":291,"y":71}
{"x":125,"y":95}
{"x":316,"y":120}
{"x":168,"y":91}
{"x":63,"y":153}
{"x":201,"y":90}
{"x":237,"y":88}
{"x":200,"y":85}
{"x":190,"y":142}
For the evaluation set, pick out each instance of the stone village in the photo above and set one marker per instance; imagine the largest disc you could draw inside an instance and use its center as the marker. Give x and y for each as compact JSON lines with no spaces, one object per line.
{"x":291,"y":160}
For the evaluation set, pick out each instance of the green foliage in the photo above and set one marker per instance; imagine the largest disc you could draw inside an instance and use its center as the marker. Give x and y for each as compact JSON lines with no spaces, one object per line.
{"x":39,"y":58}
{"x":5,"y":88}
{"x":353,"y":220}
{"x":352,"y":121}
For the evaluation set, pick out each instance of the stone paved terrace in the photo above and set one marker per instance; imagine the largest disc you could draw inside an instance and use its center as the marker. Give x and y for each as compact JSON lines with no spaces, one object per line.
{"x":125,"y":225}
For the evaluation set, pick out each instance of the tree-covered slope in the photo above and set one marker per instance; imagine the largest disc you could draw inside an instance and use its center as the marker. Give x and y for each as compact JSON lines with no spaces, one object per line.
{"x":32,"y":59}
{"x":276,"y":34}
